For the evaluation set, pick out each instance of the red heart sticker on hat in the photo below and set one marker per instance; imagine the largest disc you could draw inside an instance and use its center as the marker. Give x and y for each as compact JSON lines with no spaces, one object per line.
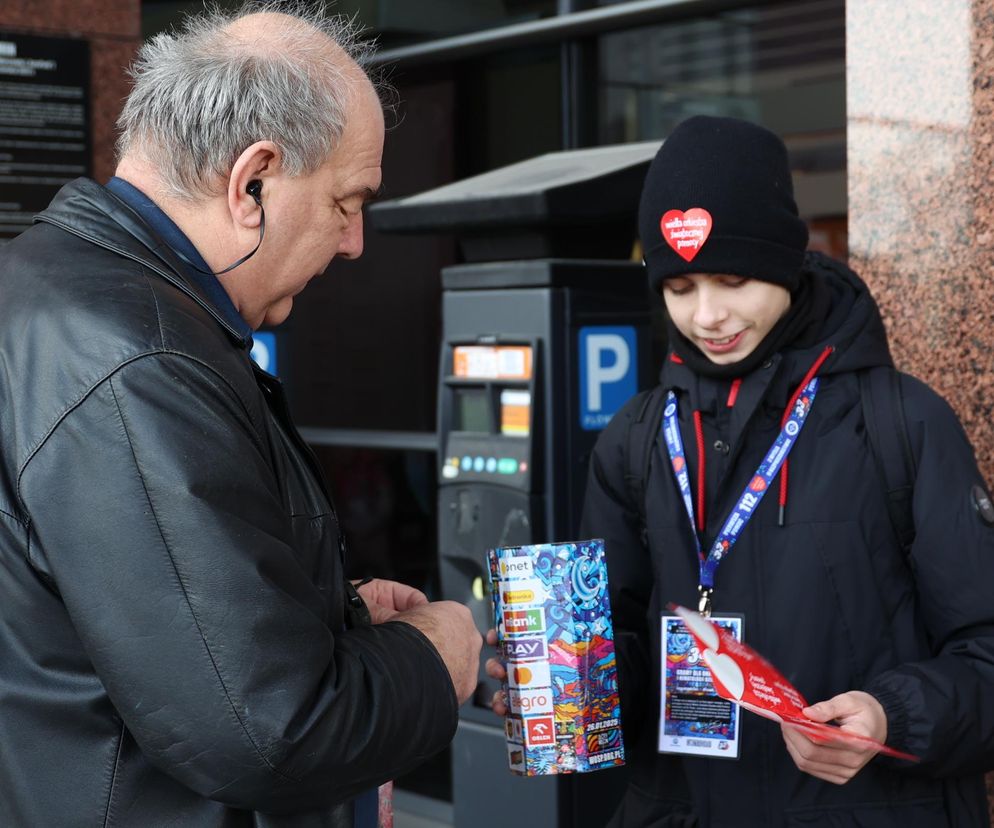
{"x":686,"y":232}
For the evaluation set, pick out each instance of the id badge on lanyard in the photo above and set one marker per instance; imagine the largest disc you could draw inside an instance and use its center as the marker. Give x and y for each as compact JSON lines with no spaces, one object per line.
{"x":694,"y":720}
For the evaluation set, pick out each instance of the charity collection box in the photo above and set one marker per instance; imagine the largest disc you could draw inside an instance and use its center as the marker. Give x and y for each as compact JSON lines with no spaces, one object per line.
{"x":553,"y":619}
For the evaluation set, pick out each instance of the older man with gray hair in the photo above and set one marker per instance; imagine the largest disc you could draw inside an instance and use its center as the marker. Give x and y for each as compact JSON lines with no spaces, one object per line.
{"x":179,"y":644}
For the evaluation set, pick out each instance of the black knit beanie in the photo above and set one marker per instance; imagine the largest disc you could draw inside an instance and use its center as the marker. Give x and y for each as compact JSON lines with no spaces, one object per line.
{"x":718,"y":198}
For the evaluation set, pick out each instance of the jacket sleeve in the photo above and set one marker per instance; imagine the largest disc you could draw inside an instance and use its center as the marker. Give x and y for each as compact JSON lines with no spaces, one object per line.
{"x":158,"y":517}
{"x":609,"y":514}
{"x":940,"y":709}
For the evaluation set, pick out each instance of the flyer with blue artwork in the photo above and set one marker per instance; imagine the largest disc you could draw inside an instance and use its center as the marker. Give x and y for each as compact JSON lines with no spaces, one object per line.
{"x":694,"y":719}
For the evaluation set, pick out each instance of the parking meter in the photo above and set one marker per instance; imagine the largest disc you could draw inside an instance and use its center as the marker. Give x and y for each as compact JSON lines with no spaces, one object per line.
{"x":537,"y":354}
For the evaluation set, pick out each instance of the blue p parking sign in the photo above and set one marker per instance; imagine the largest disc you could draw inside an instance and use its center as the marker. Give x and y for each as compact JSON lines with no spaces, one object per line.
{"x":264,"y":351}
{"x":608,"y":373}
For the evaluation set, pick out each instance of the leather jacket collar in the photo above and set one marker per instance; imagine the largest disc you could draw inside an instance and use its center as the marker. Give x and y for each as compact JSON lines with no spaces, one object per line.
{"x":90,"y":211}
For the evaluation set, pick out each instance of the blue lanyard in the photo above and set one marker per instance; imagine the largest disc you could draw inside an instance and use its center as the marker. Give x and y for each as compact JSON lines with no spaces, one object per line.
{"x":751,"y":496}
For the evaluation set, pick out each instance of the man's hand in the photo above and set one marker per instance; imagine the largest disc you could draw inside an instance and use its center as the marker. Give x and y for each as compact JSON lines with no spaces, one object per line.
{"x":855,"y":711}
{"x":495,"y":669}
{"x":449,"y":626}
{"x":385,"y":599}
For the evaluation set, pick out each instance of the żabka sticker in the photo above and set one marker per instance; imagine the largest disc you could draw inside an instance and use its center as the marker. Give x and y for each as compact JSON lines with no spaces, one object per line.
{"x":686,"y":232}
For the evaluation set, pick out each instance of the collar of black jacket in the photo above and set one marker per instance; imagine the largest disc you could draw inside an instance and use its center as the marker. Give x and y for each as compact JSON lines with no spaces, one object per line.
{"x":197,"y":271}
{"x":93,"y":213}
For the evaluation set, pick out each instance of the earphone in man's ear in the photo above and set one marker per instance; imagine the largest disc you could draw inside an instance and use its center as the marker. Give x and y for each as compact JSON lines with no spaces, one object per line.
{"x":254,"y":189}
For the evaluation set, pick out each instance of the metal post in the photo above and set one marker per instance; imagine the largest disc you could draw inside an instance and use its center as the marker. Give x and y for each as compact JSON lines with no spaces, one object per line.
{"x":569,"y":62}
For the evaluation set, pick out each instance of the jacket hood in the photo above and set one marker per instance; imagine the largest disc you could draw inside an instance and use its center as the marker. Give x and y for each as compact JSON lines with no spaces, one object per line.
{"x":853,"y":325}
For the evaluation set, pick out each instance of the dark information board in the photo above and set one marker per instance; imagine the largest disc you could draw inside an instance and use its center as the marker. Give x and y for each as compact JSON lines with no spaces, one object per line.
{"x":44,"y":123}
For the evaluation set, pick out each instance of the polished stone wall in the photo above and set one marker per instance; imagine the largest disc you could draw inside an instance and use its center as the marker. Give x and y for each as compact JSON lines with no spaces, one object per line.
{"x":113,"y":28}
{"x":920,"y":88}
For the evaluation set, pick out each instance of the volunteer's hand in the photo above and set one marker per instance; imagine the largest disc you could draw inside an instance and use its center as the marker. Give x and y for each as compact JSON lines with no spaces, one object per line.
{"x":387,"y":598}
{"x":449,"y":627}
{"x":496,"y":671}
{"x":855,"y":711}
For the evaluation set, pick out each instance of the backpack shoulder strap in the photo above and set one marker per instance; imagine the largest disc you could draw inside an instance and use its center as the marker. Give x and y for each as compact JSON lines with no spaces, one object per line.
{"x":887,"y":429}
{"x":640,"y":435}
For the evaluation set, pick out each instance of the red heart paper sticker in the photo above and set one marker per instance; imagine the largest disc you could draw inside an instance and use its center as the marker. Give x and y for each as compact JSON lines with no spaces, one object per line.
{"x":744,"y":677}
{"x":686,"y":232}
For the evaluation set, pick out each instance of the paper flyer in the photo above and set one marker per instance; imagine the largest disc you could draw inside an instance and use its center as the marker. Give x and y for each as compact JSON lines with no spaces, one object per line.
{"x":744,"y":677}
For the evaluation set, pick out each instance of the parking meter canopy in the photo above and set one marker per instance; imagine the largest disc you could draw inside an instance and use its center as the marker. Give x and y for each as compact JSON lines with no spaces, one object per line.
{"x":545,"y":207}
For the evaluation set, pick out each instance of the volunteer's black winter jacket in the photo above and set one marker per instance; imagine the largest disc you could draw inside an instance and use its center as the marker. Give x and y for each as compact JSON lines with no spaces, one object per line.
{"x":172,"y":642}
{"x":829,"y":597}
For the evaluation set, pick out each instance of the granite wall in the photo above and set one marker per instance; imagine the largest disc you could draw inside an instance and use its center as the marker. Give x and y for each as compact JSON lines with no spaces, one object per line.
{"x":920,"y":87}
{"x":113,"y":28}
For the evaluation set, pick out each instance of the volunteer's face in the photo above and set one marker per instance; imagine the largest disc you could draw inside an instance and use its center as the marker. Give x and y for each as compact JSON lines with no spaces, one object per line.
{"x":725,"y":316}
{"x":317,"y":217}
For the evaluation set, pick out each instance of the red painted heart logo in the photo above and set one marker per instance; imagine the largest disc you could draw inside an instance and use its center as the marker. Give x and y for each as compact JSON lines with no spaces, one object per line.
{"x":686,"y":232}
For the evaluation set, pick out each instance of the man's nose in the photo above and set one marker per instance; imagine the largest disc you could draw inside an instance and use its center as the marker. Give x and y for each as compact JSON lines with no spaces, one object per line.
{"x":350,"y":247}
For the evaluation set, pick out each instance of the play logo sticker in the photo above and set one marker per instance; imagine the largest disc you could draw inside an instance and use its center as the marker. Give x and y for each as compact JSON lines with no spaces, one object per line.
{"x":523,"y":649}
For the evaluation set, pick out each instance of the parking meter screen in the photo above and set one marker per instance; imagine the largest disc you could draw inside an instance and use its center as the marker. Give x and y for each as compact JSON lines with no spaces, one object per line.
{"x":513,"y":362}
{"x":472,"y":411}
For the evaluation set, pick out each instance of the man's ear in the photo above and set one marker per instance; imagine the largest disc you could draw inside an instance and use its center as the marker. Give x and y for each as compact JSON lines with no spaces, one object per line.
{"x":261,"y":163}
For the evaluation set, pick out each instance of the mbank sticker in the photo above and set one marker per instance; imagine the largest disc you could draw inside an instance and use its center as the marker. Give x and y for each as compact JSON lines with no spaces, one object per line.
{"x":524,"y":621}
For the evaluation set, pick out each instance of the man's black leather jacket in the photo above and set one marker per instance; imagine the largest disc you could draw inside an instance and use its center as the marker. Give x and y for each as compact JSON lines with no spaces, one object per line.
{"x":172,"y":604}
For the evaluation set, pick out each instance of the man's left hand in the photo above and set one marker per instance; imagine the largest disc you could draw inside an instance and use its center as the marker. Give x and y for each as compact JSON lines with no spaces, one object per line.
{"x":855,"y":711}
{"x":385,"y":599}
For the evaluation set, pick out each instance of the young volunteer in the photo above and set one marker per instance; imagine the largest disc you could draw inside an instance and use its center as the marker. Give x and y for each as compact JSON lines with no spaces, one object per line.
{"x":767,"y":342}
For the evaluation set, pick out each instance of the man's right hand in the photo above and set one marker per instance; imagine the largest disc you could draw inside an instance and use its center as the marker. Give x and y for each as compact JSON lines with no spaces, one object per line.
{"x":449,"y":626}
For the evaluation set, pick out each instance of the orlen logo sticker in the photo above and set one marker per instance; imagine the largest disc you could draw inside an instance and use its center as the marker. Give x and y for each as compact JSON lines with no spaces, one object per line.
{"x":528,"y":676}
{"x":540,"y":731}
{"x":524,"y":621}
{"x":528,"y":702}
{"x":516,"y":568}
{"x":522,"y":649}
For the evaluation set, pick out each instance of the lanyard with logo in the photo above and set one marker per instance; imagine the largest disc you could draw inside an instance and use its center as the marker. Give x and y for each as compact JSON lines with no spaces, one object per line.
{"x":751,"y":495}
